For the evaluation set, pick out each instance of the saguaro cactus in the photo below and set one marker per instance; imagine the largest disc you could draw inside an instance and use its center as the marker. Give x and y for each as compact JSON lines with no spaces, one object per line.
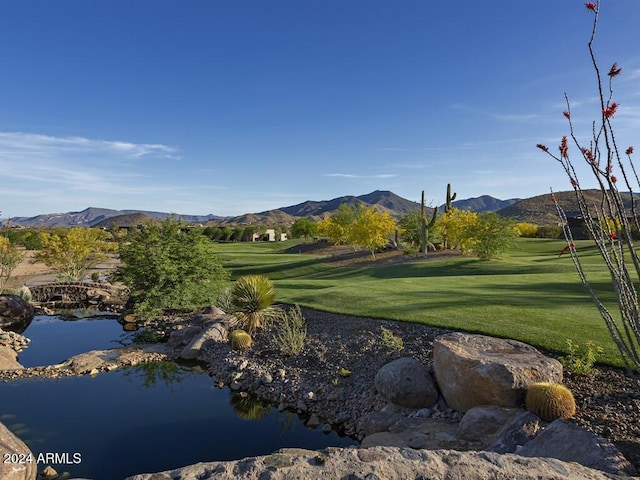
{"x":425,"y":226}
{"x":450,"y":198}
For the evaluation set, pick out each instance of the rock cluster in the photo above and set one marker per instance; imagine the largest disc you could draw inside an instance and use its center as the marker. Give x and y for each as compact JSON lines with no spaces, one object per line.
{"x":378,"y":463}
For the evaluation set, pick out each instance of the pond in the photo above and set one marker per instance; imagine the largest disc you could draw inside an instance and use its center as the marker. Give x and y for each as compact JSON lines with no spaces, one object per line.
{"x":56,"y":338}
{"x":146,"y":418}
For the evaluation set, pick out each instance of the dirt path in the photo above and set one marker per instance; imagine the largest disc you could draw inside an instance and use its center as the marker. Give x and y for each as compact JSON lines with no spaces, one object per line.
{"x":30,"y":272}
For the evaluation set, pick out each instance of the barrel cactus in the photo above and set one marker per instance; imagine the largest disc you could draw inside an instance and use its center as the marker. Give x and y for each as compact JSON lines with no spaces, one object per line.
{"x":240,"y":339}
{"x":550,"y":401}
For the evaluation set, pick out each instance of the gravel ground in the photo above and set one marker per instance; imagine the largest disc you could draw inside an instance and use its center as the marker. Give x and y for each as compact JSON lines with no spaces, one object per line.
{"x":608,"y":401}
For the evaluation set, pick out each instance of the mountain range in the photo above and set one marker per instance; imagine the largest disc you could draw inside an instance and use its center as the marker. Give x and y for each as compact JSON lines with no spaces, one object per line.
{"x":537,"y":209}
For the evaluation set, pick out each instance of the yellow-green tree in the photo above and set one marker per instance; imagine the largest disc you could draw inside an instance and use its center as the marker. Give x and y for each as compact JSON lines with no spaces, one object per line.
{"x":337,"y":227}
{"x":10,"y":257}
{"x":458,"y":225}
{"x":74,"y":252}
{"x":372,"y":229}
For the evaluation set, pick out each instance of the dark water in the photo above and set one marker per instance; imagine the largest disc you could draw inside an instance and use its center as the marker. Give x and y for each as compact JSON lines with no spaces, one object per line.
{"x":54,"y":339}
{"x":143,"y":419}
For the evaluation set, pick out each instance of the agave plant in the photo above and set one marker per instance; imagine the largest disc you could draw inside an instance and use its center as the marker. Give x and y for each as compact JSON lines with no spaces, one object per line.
{"x":252,"y":301}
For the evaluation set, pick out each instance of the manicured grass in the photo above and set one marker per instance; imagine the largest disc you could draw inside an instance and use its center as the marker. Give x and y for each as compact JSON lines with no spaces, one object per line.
{"x":529,"y":294}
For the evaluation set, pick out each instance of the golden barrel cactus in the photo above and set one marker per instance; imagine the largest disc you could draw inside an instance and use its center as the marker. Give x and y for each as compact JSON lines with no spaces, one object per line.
{"x":240,"y":339}
{"x":550,"y":401}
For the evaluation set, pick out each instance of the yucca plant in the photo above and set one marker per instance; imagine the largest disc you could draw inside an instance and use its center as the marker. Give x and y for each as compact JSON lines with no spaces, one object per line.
{"x":252,"y":301}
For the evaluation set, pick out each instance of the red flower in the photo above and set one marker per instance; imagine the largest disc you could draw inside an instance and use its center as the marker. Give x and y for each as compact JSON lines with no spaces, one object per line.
{"x":566,"y":114}
{"x":615,"y":71}
{"x":629,"y":151}
{"x":588,"y":154}
{"x":566,"y":249}
{"x":610,"y":111}
{"x":542,"y":147}
{"x":614,"y":179}
{"x":564,"y":147}
{"x":590,"y":6}
{"x":613,"y":235}
{"x":554,"y":199}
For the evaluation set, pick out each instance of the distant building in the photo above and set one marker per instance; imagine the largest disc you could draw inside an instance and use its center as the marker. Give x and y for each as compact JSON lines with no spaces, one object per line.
{"x":269,"y":236}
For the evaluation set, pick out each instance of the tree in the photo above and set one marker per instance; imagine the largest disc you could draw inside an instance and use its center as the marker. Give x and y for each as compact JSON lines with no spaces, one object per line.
{"x":492,"y":234}
{"x":410,"y":228}
{"x":304,"y":228}
{"x":458,"y":224}
{"x":73,"y":252}
{"x":168,"y":266}
{"x":337,"y":227}
{"x":10,"y":258}
{"x":372,"y":229}
{"x":608,"y":165}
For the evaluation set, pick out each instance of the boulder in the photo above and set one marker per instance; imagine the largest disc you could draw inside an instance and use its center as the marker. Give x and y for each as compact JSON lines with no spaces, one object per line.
{"x":475,"y":370}
{"x":8,"y":359}
{"x":569,"y":442}
{"x":481,"y":422}
{"x":518,"y":431}
{"x":407,"y":383}
{"x":14,"y":310}
{"x":211,"y":333}
{"x":389,"y":463}
{"x":15,"y":456}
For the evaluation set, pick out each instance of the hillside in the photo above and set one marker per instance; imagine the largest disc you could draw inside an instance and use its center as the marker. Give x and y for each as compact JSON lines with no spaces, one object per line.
{"x":90,"y":217}
{"x":541,"y":210}
{"x":484,"y":203}
{"x":126,"y":220}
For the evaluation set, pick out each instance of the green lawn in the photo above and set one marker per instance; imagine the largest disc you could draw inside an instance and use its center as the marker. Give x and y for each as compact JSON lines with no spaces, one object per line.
{"x":529,"y":294}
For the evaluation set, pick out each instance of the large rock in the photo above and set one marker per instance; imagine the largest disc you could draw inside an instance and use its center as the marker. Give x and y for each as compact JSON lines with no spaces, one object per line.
{"x":8,"y":359}
{"x":517,"y":432}
{"x":407,"y":383}
{"x":14,"y":464}
{"x":480,"y":422}
{"x":475,"y":370}
{"x":571,"y":443}
{"x":211,"y":333}
{"x":14,"y":310}
{"x":388,"y":463}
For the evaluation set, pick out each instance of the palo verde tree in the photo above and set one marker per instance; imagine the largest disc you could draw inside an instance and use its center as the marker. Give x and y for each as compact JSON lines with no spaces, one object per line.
{"x":72,"y":253}
{"x":610,"y":167}
{"x":170,"y":266}
{"x":10,"y":258}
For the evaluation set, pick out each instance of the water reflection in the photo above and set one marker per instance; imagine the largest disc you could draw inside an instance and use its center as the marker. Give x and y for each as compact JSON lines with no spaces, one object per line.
{"x":248,"y":407}
{"x":167,"y":372}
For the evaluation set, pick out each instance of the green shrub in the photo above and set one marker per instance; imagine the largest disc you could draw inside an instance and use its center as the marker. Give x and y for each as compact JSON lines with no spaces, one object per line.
{"x":168,"y":265}
{"x":580,"y":361}
{"x":252,"y":301}
{"x":291,"y":331}
{"x":550,"y":401}
{"x":390,"y":340}
{"x":24,"y":293}
{"x":225,"y":299}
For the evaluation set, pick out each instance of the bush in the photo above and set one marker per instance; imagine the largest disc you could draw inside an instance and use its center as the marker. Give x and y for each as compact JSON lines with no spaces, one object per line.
{"x":390,"y":340}
{"x":167,"y":265}
{"x":580,"y":361}
{"x":252,"y":301}
{"x":527,"y":230}
{"x":291,"y":331}
{"x":492,"y":234}
{"x":549,"y":231}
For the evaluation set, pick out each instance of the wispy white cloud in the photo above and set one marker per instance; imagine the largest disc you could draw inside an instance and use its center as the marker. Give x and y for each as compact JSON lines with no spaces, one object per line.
{"x":351,"y":175}
{"x":37,"y":144}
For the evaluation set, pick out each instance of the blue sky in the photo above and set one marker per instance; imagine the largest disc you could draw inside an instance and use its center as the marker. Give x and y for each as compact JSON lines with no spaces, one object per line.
{"x":229,"y":107}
